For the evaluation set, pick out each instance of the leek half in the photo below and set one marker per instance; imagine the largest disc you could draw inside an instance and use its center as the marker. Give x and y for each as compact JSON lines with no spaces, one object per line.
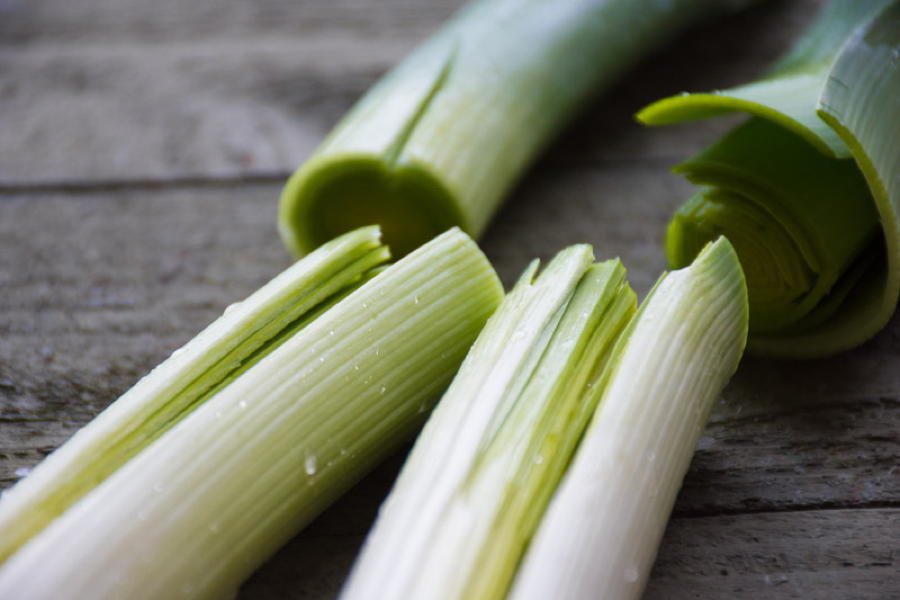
{"x":600,"y":533}
{"x":247,"y":331}
{"x":785,"y":189}
{"x":196,"y":510}
{"x":480,"y":474}
{"x":441,"y":139}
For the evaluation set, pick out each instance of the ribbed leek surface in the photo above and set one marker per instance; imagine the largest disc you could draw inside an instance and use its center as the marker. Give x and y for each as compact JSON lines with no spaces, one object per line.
{"x":793,"y":188}
{"x":490,"y":456}
{"x":442,"y":138}
{"x":195,"y":511}
{"x":599,"y":535}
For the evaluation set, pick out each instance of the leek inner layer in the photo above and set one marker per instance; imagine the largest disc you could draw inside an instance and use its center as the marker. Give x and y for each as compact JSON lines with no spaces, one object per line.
{"x":798,"y":219}
{"x":809,"y":178}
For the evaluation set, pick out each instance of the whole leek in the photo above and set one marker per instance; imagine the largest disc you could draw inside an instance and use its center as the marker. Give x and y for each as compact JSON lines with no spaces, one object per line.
{"x":793,"y":188}
{"x":196,"y":510}
{"x":442,"y":138}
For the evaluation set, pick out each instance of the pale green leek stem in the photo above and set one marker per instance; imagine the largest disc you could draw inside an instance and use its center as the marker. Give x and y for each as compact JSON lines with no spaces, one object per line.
{"x":599,"y":535}
{"x":479,"y":476}
{"x":444,"y":136}
{"x":247,"y":331}
{"x":196,"y":511}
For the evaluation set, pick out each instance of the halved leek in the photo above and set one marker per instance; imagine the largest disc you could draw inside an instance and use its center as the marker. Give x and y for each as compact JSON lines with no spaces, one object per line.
{"x":799,"y":210}
{"x":490,"y":456}
{"x":441,"y":139}
{"x":246,"y":332}
{"x":198,"y":509}
{"x":599,"y":535}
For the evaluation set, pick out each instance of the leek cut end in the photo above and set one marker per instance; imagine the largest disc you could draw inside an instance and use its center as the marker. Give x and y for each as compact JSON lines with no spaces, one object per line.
{"x":328,"y":197}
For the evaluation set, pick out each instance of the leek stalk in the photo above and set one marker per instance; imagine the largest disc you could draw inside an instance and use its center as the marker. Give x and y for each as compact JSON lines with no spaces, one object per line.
{"x":801,"y":187}
{"x":247,"y":331}
{"x":562,"y":351}
{"x":203,"y":503}
{"x":599,"y":535}
{"x":481,"y":472}
{"x":442,"y":138}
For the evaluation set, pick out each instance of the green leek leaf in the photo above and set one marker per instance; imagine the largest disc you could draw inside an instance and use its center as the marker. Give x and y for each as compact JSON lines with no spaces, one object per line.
{"x":793,"y":188}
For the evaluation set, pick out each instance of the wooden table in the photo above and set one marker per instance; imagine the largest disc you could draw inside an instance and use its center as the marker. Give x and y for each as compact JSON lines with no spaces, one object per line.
{"x":142,"y":149}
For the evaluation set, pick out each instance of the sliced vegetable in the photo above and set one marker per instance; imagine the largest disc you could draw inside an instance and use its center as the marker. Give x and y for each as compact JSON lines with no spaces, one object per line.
{"x":196,"y":510}
{"x":601,"y":530}
{"x":490,"y":456}
{"x":444,"y":136}
{"x":245,"y":333}
{"x":783,"y":186}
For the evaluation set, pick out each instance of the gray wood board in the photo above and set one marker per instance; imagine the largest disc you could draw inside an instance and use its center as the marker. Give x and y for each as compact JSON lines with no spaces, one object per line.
{"x":137,"y":97}
{"x":142,"y":154}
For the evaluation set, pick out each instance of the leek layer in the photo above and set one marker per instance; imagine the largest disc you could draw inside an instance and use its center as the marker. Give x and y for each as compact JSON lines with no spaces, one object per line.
{"x":482,"y":471}
{"x":786,"y":189}
{"x":443,"y":137}
{"x":601,"y":530}
{"x":199,"y":508}
{"x":245,"y":333}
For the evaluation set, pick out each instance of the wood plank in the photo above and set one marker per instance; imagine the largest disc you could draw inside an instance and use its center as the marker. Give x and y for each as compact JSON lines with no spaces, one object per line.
{"x":233,"y":91}
{"x":842,"y":554}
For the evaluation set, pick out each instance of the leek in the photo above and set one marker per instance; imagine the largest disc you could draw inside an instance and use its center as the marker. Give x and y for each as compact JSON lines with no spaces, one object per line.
{"x":442,"y":138}
{"x":205,"y":495}
{"x":793,"y":188}
{"x":599,"y":535}
{"x":480,"y":474}
{"x":186,"y":380}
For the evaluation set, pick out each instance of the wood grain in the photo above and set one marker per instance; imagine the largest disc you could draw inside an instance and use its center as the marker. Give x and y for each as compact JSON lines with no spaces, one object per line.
{"x":143,"y":150}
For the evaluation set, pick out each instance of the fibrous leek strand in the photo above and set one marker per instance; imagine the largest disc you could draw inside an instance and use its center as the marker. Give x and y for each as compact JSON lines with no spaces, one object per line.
{"x":480,"y":474}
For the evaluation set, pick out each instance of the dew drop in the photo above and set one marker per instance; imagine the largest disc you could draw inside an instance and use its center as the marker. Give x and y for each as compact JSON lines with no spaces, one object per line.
{"x":218,"y":414}
{"x":22,"y":472}
{"x":321,"y":359}
{"x":310,"y":464}
{"x":416,"y":300}
{"x":539,"y":459}
{"x":242,"y":404}
{"x":383,"y":389}
{"x":377,"y":351}
{"x":331,"y":332}
{"x":231,"y":307}
{"x":356,"y":367}
{"x":631,"y":574}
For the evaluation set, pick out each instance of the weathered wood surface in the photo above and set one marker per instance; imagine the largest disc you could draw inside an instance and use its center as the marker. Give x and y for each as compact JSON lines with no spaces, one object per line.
{"x":142,"y":150}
